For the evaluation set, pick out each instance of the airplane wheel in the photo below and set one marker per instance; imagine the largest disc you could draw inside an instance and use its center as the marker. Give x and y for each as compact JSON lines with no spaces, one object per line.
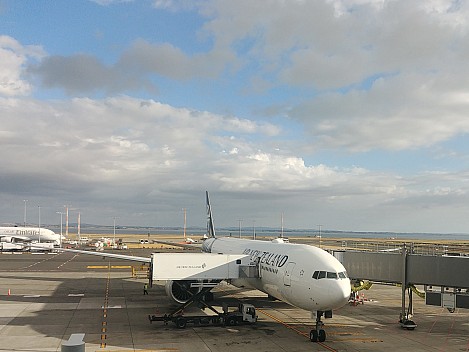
{"x":313,"y":336}
{"x":181,"y":323}
{"x":322,"y":336}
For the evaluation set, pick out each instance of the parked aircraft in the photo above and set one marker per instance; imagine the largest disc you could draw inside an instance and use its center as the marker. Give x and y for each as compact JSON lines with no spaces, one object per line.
{"x":14,"y":234}
{"x":301,"y":275}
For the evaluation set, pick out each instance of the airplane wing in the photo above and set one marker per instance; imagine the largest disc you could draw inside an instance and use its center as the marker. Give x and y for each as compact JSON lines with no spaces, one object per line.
{"x":179,"y":244}
{"x":107,"y":255}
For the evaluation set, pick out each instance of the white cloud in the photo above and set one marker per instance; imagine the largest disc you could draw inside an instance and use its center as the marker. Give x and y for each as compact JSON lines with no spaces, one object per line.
{"x":385,"y":75}
{"x":14,"y":57}
{"x":410,"y":54}
{"x":397,"y":113}
{"x":175,"y":5}
{"x":136,"y":152}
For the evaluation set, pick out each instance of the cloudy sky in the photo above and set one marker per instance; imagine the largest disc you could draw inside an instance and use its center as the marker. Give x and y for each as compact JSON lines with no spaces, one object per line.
{"x":352,"y":114}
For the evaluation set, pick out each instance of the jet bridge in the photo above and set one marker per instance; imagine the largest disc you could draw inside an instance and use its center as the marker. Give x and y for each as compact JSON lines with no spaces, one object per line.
{"x":201,"y":266}
{"x":444,"y":277}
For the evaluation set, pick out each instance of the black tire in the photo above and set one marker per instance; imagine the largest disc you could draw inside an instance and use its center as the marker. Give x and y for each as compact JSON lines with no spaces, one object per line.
{"x":322,"y":335}
{"x":313,"y":336}
{"x":204,"y":321}
{"x":231,"y":321}
{"x":181,"y":323}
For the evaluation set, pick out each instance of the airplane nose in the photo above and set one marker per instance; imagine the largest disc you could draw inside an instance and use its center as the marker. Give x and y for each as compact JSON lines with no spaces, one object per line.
{"x":346,"y":290}
{"x":340,"y":292}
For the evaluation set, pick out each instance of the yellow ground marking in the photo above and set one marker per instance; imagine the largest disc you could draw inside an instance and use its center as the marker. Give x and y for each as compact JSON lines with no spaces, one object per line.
{"x":158,"y":350}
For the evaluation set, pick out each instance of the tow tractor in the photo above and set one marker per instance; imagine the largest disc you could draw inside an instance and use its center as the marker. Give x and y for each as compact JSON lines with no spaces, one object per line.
{"x":245,"y":313}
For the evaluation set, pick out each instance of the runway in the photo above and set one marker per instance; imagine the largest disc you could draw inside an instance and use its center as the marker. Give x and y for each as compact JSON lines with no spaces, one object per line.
{"x":54,"y":295}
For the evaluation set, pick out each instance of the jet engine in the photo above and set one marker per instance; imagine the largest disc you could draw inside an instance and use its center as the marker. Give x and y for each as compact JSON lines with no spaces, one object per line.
{"x":180,"y":291}
{"x":6,"y":239}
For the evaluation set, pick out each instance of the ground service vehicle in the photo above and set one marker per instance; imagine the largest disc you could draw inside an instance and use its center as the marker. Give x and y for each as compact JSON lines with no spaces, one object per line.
{"x":245,"y":313}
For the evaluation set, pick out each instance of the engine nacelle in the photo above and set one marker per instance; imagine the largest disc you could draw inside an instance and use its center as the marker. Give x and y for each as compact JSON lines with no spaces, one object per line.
{"x":6,"y":239}
{"x":180,"y":291}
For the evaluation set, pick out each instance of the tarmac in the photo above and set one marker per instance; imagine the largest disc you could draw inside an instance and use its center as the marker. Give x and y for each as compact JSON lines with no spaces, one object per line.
{"x":44,"y":298}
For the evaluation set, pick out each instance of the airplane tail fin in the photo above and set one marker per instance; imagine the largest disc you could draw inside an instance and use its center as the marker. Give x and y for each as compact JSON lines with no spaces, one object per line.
{"x":210,"y":226}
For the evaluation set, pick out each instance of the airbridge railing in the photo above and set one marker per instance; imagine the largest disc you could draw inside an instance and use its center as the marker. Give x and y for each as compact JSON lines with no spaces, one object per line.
{"x":389,"y":245}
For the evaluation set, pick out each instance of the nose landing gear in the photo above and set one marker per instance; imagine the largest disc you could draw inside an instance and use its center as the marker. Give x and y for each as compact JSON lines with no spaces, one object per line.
{"x":318,"y":334}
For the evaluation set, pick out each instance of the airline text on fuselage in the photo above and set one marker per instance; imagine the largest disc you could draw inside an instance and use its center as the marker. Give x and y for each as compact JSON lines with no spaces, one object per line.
{"x":27,"y":232}
{"x":268,"y":258}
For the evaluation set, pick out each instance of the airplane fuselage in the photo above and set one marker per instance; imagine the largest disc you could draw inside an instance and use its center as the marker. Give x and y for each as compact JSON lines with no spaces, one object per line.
{"x":28,"y":234}
{"x":302,"y":275}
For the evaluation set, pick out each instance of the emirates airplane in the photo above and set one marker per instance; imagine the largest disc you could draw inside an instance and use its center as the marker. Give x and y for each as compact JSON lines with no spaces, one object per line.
{"x":13,"y":234}
{"x":304,"y":276}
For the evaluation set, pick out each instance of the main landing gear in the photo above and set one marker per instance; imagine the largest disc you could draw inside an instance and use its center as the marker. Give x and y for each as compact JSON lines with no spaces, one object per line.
{"x":318,"y":334}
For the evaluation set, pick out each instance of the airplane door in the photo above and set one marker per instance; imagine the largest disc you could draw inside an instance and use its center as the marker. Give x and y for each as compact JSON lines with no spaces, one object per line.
{"x":288,"y":273}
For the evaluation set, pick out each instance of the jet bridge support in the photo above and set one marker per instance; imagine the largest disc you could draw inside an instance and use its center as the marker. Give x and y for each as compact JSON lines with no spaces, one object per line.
{"x":405,"y":318}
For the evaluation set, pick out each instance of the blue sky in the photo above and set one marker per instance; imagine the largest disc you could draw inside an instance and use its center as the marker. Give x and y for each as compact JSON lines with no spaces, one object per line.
{"x":348,"y":113}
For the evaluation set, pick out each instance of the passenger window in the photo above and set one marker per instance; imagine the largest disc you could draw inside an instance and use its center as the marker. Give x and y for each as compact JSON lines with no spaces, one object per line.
{"x":322,"y":275}
{"x":331,"y":275}
{"x":316,"y":275}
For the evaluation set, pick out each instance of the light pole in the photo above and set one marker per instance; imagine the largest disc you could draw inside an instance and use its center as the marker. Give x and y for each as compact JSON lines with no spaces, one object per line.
{"x":319,"y":226}
{"x":239,"y":221}
{"x":114,"y":231}
{"x":281,"y":222}
{"x":24,"y":219}
{"x":66,"y":221}
{"x":61,"y":222}
{"x":39,"y":209}
{"x":78,"y":228}
{"x":185,"y":214}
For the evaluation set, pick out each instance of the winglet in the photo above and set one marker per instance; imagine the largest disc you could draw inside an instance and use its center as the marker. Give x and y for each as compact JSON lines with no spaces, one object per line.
{"x":210,"y":226}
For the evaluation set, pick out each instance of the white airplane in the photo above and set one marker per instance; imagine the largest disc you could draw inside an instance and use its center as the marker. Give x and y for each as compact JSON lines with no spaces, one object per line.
{"x":28,"y":234}
{"x":304,"y":276}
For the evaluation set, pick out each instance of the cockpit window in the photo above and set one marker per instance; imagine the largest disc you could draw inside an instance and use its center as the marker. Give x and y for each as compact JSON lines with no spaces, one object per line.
{"x":331,"y":275}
